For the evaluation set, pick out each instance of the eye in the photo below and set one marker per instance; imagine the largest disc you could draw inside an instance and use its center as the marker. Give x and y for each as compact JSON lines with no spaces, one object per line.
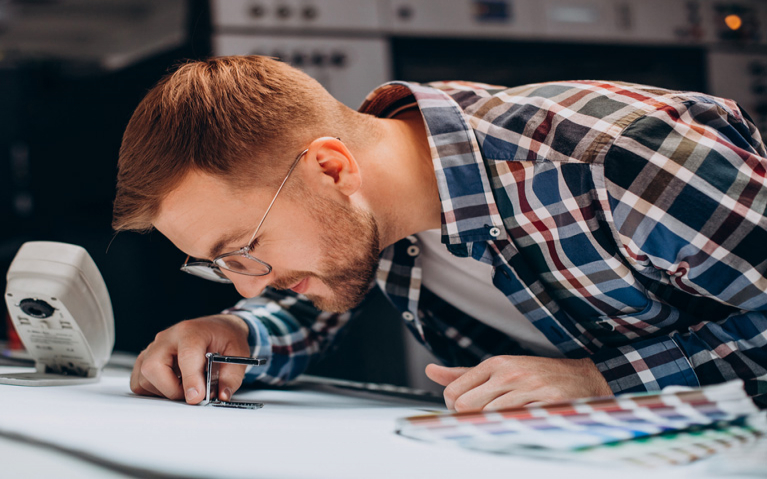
{"x":235,"y":265}
{"x":253,"y":245}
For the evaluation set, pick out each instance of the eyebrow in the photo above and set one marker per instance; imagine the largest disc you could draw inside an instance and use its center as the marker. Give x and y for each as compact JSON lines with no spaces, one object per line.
{"x":224,"y":240}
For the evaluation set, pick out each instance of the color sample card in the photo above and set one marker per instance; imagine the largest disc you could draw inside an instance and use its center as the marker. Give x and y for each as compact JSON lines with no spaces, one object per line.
{"x":669,"y":427}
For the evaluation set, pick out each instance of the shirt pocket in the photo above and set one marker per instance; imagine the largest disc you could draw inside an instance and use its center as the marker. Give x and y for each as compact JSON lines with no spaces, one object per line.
{"x":654,"y":318}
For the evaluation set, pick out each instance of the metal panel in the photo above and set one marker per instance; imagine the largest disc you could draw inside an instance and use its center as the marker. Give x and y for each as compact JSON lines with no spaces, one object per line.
{"x":294,"y":14}
{"x":497,"y":19}
{"x":348,"y":68}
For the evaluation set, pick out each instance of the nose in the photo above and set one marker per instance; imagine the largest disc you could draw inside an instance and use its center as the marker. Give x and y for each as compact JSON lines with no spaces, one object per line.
{"x":249,"y":286}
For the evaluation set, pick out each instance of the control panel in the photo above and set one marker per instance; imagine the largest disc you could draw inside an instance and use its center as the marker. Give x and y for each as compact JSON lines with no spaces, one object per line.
{"x":338,"y":15}
{"x":740,"y":22}
{"x":337,"y":42}
{"x":349,"y":68}
{"x":621,"y":21}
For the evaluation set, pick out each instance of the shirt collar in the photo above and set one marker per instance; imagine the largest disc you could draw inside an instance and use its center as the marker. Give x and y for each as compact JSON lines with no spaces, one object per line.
{"x":469,"y":211}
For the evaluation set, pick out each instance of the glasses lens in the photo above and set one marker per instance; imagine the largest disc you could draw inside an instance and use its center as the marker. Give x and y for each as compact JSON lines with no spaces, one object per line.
{"x":205,"y":271}
{"x":241,"y":264}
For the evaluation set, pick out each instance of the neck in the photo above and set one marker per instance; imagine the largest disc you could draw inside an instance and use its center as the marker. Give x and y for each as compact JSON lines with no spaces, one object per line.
{"x":399,"y":185}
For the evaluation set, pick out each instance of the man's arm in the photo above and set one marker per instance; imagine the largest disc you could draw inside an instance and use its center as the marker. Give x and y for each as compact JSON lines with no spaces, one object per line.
{"x":688,"y":199}
{"x":289,"y":332}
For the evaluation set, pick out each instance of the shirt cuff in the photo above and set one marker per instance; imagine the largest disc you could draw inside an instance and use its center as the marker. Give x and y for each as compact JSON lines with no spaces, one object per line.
{"x":258,"y":340}
{"x":648,"y":365}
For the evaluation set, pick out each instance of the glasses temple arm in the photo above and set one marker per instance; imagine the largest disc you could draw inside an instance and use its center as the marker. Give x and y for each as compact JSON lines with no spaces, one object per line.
{"x":292,"y":167}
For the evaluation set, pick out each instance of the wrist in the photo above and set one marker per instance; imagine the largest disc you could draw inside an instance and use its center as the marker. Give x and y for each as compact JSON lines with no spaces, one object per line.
{"x":237,"y":323}
{"x":598,"y":383}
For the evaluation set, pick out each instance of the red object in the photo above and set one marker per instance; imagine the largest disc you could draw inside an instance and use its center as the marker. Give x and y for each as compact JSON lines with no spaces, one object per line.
{"x":14,"y":342}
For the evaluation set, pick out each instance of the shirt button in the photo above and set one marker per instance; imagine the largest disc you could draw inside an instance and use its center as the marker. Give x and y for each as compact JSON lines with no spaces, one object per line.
{"x":408,"y":316}
{"x":494,"y":231}
{"x":413,"y":250}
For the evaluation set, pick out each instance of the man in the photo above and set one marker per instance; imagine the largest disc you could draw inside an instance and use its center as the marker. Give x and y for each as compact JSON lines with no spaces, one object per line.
{"x":548,"y":242}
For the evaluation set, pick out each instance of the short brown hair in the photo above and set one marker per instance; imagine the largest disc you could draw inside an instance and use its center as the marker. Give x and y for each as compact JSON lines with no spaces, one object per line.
{"x":239,"y":118}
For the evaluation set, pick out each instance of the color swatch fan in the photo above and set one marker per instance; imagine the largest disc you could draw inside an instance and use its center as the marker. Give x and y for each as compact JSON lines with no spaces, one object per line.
{"x":670,"y":427}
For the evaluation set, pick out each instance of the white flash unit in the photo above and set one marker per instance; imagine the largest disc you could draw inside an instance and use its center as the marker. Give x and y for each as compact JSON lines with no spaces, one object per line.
{"x":60,"y":307}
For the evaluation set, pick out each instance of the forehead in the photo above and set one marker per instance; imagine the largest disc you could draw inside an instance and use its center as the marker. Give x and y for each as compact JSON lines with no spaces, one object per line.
{"x":203,"y":209}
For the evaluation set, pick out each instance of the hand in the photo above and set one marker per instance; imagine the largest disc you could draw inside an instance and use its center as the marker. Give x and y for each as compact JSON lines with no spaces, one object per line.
{"x":509,"y":381}
{"x":173,"y":365}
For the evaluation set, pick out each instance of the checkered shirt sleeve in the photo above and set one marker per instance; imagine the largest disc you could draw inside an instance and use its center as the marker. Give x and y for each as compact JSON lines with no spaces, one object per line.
{"x":286,"y":330}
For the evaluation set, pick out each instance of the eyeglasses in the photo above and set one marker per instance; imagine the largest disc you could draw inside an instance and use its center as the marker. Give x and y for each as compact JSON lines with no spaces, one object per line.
{"x":240,"y":261}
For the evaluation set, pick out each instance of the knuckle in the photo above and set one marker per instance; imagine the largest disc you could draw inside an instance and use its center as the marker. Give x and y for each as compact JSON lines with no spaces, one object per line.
{"x":535,"y":382}
{"x":181,"y":330}
{"x":176,"y":395}
{"x":495,"y":361}
{"x":135,"y":388}
{"x":191,"y":333}
{"x":160,"y":337}
{"x":147,"y":369}
{"x":461,"y":404}
{"x":552,"y":394}
{"x":450,"y":393}
{"x":144,"y":387}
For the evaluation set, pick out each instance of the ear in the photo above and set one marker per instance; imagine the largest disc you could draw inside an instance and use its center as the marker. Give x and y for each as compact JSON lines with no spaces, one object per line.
{"x":331,"y":164}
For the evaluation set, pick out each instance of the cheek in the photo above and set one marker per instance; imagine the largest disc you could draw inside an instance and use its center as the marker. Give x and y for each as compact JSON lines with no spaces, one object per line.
{"x":300,"y":251}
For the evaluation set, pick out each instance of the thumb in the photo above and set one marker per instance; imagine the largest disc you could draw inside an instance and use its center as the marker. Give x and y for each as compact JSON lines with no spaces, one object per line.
{"x":443,"y":375}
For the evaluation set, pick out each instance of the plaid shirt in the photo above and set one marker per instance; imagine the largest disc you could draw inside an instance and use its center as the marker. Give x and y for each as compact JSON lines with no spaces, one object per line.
{"x":627,"y":223}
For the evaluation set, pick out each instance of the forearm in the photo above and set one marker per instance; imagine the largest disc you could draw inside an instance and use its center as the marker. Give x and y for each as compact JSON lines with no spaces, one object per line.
{"x":288,"y":332}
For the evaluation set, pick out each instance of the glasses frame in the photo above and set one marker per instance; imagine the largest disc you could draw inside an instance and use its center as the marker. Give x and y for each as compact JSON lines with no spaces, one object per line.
{"x":200,"y":268}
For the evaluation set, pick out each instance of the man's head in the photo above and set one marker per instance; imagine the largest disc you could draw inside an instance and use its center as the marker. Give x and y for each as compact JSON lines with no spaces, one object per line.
{"x":208,"y":147}
{"x":237,"y":118}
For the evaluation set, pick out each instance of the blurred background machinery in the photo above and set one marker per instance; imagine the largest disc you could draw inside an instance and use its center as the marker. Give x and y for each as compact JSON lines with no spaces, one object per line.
{"x":72,"y":71}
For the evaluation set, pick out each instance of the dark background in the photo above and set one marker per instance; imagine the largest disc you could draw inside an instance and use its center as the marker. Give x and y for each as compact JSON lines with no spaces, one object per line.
{"x":67,"y":126}
{"x":68,"y":123}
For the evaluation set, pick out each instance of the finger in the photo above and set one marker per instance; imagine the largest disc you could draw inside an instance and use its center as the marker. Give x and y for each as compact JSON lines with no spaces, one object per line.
{"x":147,"y":388}
{"x":159,"y":371}
{"x":138,"y":383}
{"x":514,"y":399}
{"x":477,"y":398}
{"x":229,"y":380}
{"x":191,"y":364}
{"x":471,"y":379}
{"x":135,"y":376}
{"x":443,"y":375}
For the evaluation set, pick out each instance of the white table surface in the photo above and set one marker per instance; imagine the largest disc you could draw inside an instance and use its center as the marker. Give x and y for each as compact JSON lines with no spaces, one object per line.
{"x":299,"y":433}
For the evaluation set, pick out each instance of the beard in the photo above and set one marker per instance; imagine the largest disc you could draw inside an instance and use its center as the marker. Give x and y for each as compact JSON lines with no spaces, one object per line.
{"x":351,"y":244}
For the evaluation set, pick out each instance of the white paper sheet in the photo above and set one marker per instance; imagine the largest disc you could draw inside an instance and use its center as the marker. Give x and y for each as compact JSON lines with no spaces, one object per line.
{"x":296,"y":434}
